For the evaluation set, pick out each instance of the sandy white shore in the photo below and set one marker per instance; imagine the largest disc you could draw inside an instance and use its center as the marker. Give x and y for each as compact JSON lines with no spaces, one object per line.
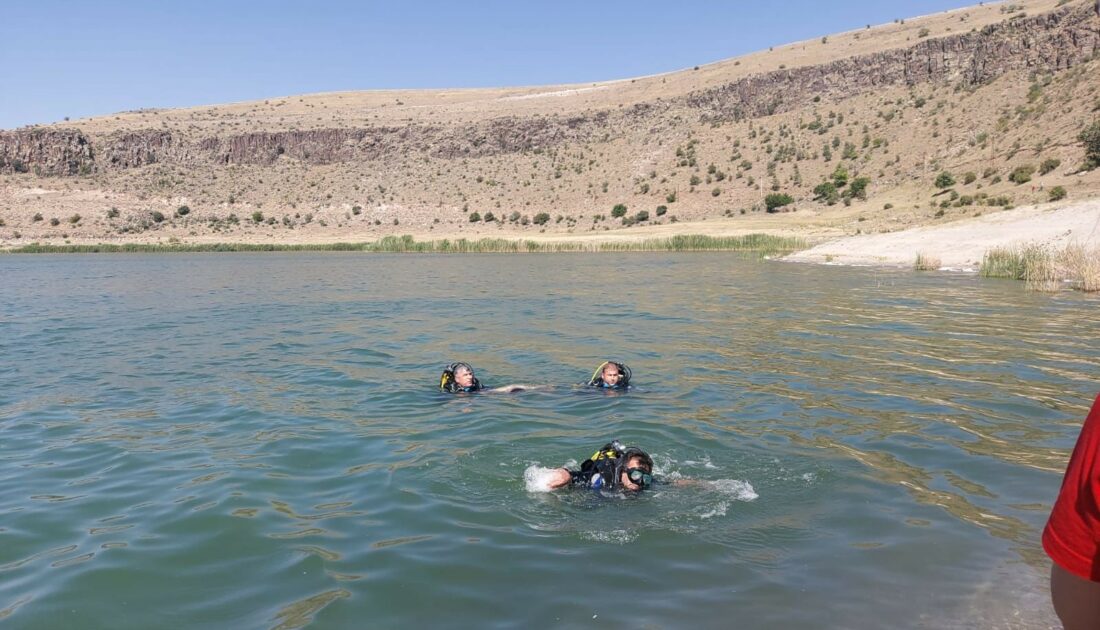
{"x":962,"y":244}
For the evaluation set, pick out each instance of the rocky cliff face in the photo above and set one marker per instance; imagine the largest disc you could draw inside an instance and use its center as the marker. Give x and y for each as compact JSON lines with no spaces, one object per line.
{"x":1047,"y":42}
{"x":45,"y":152}
{"x":69,"y":151}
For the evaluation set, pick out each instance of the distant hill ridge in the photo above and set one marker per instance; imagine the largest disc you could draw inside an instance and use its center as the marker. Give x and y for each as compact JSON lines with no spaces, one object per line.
{"x":924,"y":120}
{"x":1048,"y":42}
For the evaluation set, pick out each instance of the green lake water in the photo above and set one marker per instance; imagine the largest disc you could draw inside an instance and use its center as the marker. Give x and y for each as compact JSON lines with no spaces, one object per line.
{"x":256,"y":441}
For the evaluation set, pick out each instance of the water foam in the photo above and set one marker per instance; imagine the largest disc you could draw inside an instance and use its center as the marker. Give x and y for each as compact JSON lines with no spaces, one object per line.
{"x":614,"y":536}
{"x":717,"y":510}
{"x":537,"y":478}
{"x":740,"y":490}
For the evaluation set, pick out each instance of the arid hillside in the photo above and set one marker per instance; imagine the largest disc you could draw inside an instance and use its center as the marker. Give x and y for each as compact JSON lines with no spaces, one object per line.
{"x":924,"y":120}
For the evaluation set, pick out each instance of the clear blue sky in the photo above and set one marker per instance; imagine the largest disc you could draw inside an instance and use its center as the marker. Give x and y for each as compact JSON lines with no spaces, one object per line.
{"x":89,"y":58}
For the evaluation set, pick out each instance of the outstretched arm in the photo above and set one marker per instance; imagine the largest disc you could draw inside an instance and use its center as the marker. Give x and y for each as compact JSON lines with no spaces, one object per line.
{"x":515,"y":387}
{"x":560,"y":478}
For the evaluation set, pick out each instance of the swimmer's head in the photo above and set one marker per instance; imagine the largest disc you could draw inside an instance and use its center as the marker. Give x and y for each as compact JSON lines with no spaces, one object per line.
{"x":611,"y":374}
{"x":459,"y":377}
{"x":464,"y":375}
{"x":637,"y":469}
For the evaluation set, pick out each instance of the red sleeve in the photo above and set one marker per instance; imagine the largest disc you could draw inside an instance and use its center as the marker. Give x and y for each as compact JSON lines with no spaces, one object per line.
{"x":1072,"y":535}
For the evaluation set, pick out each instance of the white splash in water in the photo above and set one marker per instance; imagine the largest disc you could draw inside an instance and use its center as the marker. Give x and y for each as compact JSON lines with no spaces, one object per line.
{"x":537,"y":478}
{"x":615,"y":536}
{"x":718,"y":510}
{"x":705,"y":463}
{"x":740,"y":490}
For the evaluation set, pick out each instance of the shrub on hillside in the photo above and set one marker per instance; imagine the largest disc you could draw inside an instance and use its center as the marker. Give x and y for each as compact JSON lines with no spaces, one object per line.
{"x":661,"y":210}
{"x":475,"y":217}
{"x":1049,"y":165}
{"x":1090,"y":137}
{"x":775,"y":201}
{"x":643,"y":215}
{"x":969,"y":177}
{"x":112,"y":213}
{"x":945,"y":180}
{"x":541,"y":218}
{"x":618,"y":211}
{"x":183,"y":211}
{"x":1022,"y":174}
{"x":858,"y":188}
{"x":257,"y":217}
{"x":1057,"y":193}
{"x":488,"y":218}
{"x":840,"y":176}
{"x":826,"y":192}
{"x":157,"y":216}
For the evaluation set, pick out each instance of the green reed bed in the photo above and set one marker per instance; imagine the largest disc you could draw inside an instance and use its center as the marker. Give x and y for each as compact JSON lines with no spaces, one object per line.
{"x":1045,"y":269}
{"x":762,"y":244}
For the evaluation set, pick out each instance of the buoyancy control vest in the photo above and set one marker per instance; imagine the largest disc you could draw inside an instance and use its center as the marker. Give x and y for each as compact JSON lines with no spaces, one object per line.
{"x":604,"y":469}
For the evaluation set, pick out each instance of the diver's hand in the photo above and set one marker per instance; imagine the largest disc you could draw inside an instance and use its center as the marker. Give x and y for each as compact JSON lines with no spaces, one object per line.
{"x":516,"y":387}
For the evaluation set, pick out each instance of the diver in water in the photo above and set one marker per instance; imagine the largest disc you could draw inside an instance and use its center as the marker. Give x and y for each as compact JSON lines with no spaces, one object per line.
{"x":459,"y":377}
{"x":613,"y":467}
{"x":611,"y":375}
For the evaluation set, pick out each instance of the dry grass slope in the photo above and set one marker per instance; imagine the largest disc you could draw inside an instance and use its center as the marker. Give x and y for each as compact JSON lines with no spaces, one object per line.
{"x":921,"y":121}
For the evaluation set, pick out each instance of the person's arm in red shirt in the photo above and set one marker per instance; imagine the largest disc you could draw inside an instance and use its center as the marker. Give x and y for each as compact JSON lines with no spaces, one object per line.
{"x":1072,"y":535}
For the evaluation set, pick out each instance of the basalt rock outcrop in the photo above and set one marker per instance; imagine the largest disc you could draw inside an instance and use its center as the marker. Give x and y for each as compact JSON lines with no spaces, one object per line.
{"x":45,"y":152}
{"x":1046,"y":42}
{"x":69,"y":151}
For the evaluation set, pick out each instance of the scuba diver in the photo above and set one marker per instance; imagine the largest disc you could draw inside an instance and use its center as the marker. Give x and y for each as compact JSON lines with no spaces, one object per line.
{"x":611,"y":375}
{"x":459,"y":377}
{"x":613,"y":467}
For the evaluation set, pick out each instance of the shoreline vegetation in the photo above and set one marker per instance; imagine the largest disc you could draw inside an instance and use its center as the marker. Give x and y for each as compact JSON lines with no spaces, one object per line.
{"x":1044,"y":268}
{"x":760,"y":244}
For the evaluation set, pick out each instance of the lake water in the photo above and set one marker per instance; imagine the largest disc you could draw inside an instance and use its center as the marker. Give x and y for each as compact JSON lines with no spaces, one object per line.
{"x":257,"y":441}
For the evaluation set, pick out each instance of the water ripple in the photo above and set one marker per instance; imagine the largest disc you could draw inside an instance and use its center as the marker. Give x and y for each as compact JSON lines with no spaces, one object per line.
{"x":255,"y":441}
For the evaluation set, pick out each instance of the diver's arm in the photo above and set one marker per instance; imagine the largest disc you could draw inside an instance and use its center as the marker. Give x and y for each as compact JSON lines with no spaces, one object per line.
{"x":561,"y":478}
{"x":516,"y":387}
